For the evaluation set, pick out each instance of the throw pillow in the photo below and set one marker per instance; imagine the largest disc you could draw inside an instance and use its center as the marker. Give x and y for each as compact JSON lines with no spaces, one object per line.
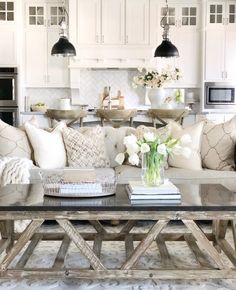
{"x":49,"y":149}
{"x":85,"y":147}
{"x":14,"y":142}
{"x":218,"y":145}
{"x":194,"y":161}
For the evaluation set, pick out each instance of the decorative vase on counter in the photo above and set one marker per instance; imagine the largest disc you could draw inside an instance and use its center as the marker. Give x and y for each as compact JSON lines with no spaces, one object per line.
{"x":156,"y":97}
{"x":152,"y":169}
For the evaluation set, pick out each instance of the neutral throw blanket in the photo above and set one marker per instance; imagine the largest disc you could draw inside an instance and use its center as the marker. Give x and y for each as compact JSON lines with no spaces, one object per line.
{"x":14,"y":170}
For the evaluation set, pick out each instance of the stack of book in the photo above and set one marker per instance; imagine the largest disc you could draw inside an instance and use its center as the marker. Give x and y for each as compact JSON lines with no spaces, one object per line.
{"x":138,"y":192}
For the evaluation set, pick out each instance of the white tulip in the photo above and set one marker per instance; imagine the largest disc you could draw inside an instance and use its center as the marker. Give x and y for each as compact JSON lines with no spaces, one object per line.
{"x":131,"y":139}
{"x":185,"y":139}
{"x":132,"y":148}
{"x":186,"y":152}
{"x":120,"y":158}
{"x":149,"y":136}
{"x":177,"y":150}
{"x":161,"y":149}
{"x":134,"y":159}
{"x":145,"y":148}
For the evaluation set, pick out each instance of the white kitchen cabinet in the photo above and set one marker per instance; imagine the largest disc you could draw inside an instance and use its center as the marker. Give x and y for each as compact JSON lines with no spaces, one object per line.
{"x":41,"y":32}
{"x":100,"y":22}
{"x":88,"y":21}
{"x":220,"y":45}
{"x":184,"y":18}
{"x":112,"y":22}
{"x":8,"y":33}
{"x":137,"y":22}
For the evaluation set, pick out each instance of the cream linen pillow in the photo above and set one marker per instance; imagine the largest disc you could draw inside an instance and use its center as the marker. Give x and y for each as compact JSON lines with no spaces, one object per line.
{"x":86,"y":147}
{"x":218,"y":145}
{"x":194,"y":161}
{"x":14,"y":141}
{"x":49,"y":149}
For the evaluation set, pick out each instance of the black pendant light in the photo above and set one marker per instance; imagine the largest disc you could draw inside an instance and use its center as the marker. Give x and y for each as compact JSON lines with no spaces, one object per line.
{"x":166,"y":48}
{"x":63,"y":47}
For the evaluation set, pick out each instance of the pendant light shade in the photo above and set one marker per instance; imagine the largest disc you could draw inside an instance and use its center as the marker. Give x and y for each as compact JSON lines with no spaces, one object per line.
{"x":63,"y":47}
{"x":166,"y":48}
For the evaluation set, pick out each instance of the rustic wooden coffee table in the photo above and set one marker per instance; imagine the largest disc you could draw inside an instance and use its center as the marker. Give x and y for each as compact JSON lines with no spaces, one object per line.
{"x":215,"y":256}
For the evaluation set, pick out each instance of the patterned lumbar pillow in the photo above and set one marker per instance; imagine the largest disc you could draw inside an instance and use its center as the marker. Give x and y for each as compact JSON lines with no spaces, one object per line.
{"x":218,"y":145}
{"x":85,"y":148}
{"x":194,"y":161}
{"x":13,"y":142}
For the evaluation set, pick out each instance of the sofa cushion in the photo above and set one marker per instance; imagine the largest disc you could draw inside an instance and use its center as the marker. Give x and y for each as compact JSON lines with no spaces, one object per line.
{"x":194,"y":162}
{"x":218,"y":145}
{"x":14,"y":142}
{"x":49,"y":149}
{"x":125,"y":173}
{"x":85,"y":149}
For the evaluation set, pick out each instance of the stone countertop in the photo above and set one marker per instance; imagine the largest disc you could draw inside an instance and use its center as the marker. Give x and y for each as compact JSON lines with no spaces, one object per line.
{"x":141,"y":111}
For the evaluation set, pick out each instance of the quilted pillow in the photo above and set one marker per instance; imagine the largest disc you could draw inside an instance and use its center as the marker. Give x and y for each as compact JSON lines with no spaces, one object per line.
{"x":85,"y":149}
{"x":218,"y":145}
{"x":14,"y":141}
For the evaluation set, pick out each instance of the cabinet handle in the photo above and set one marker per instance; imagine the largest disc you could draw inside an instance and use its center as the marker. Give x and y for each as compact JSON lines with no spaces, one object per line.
{"x":226,"y":74}
{"x":102,"y":38}
{"x":96,"y":38}
{"x":126,"y":39}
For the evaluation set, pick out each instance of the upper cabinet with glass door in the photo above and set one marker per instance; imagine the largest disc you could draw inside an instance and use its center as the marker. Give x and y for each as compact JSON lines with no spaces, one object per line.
{"x":42,"y":32}
{"x":185,"y":20}
{"x":8,"y":33}
{"x":220,"y":43}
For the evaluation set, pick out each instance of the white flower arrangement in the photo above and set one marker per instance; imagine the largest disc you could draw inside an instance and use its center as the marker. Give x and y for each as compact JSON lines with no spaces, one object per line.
{"x":153,"y":144}
{"x":152,"y":78}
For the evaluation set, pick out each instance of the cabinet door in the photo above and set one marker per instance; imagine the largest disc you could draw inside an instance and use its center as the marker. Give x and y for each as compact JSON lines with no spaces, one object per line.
{"x":8,"y":33}
{"x":215,"y":13}
{"x":188,"y":43}
{"x":113,"y":21}
{"x":36,"y":45}
{"x":57,"y":67}
{"x":214,"y":54}
{"x":89,"y":19}
{"x":230,"y":51}
{"x":137,"y":22}
{"x":231,"y":14}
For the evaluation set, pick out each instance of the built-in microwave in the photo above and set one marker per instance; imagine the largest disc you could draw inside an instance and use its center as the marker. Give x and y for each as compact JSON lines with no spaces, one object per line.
{"x":220,"y":95}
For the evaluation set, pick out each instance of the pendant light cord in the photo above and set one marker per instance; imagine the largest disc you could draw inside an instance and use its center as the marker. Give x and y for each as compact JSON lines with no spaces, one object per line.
{"x":165,"y":16}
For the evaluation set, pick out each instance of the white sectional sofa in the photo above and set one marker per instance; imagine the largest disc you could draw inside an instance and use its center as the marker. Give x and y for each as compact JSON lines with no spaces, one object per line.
{"x":114,"y":145}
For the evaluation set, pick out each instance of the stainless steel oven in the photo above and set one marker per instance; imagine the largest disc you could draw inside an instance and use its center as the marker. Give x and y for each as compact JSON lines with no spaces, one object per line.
{"x":220,"y":96}
{"x":8,"y":86}
{"x":9,"y":115}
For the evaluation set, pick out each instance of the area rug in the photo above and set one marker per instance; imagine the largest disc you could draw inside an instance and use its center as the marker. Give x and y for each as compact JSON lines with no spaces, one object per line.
{"x":114,"y":253}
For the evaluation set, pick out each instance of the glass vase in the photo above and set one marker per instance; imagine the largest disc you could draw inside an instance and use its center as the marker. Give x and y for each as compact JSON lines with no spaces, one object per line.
{"x":152,"y":169}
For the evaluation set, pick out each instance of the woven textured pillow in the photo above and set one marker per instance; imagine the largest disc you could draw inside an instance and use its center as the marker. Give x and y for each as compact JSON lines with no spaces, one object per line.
{"x":85,"y":149}
{"x":218,"y":145}
{"x":13,"y":142}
